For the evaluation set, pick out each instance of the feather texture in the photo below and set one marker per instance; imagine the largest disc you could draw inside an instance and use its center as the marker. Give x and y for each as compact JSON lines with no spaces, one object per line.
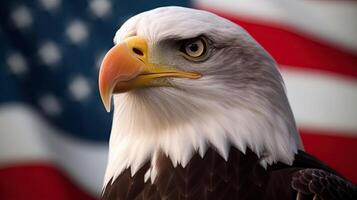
{"x":239,"y":177}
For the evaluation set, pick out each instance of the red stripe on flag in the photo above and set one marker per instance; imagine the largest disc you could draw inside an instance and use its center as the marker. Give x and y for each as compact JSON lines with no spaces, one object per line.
{"x":37,"y":182}
{"x":339,"y":152}
{"x":293,"y":48}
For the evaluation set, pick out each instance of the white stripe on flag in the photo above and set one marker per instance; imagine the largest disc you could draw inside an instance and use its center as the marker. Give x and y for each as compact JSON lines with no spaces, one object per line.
{"x":321,"y":100}
{"x":29,"y":138}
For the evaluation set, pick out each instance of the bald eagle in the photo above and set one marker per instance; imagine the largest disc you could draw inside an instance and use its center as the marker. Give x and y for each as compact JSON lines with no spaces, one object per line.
{"x":200,"y":112}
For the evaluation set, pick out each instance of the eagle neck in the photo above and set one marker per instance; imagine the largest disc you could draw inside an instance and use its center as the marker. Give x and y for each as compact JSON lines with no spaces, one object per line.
{"x":132,"y":145}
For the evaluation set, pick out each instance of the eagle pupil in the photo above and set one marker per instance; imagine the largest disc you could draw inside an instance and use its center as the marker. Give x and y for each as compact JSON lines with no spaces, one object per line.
{"x":193,"y":47}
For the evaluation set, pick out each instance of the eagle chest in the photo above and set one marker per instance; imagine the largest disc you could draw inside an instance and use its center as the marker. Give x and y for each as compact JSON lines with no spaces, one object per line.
{"x":211,"y":177}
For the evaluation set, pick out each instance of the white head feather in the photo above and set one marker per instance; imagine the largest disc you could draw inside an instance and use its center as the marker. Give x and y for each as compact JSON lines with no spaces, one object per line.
{"x":239,"y":101}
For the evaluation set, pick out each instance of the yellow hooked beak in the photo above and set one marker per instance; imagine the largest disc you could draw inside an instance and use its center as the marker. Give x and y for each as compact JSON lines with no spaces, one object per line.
{"x":126,"y":67}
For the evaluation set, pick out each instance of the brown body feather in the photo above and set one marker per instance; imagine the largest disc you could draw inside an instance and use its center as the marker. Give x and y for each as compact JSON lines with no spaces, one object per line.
{"x":240,"y":177}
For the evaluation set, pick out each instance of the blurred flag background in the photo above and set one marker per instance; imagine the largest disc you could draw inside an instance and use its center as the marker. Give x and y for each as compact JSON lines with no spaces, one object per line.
{"x":54,"y":129}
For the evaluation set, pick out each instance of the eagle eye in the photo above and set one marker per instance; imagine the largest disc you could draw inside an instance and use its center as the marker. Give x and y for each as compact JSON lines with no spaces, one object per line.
{"x":194,"y":49}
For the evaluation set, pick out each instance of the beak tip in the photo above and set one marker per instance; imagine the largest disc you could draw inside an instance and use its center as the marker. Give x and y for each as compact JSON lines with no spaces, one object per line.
{"x":106,"y":98}
{"x":107,"y":108}
{"x":106,"y":103}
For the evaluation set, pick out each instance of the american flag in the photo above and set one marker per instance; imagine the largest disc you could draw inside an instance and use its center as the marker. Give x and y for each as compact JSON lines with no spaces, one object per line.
{"x":54,"y":129}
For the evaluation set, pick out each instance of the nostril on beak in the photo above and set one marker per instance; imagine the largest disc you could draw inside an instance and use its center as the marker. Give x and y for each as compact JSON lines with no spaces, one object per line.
{"x":138,"y":51}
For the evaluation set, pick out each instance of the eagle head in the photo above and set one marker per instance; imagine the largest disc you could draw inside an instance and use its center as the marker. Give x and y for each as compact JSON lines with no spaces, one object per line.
{"x":183,"y":80}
